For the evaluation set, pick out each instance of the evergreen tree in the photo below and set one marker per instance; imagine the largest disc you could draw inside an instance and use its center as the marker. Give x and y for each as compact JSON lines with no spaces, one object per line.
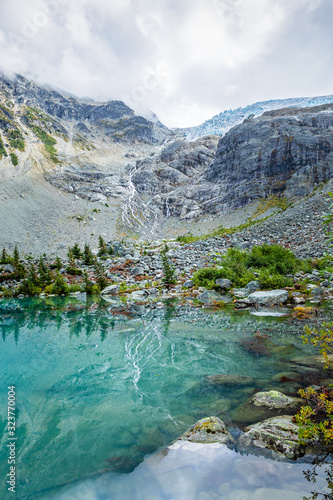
{"x":88,"y":257}
{"x":168,"y":270}
{"x":45,"y":275}
{"x":102,"y":250}
{"x":77,"y":254}
{"x":60,"y":286}
{"x":4,"y":257}
{"x":16,"y":256}
{"x":88,"y":285}
{"x":58,"y":264}
{"x":101,"y":279}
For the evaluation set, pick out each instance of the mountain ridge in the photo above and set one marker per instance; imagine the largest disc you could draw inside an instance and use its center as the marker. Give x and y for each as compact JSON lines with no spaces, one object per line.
{"x":221,"y":123}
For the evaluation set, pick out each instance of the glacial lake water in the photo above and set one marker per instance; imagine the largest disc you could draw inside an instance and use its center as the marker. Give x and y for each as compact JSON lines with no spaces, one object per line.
{"x":99,"y":391}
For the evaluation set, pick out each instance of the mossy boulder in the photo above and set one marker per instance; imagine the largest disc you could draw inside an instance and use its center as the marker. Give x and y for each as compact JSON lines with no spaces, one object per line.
{"x":279,"y":434}
{"x":264,"y":405}
{"x":208,"y":430}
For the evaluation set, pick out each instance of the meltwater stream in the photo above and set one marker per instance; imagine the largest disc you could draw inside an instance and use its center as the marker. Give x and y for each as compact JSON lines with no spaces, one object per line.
{"x":99,"y":393}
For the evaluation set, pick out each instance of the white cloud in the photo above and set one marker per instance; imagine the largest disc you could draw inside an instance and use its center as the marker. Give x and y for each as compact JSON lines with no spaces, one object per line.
{"x":184,"y":59}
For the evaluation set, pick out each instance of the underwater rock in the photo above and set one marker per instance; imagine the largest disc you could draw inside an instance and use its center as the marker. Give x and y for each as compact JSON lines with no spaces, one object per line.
{"x":210,"y":298}
{"x":226,"y":379}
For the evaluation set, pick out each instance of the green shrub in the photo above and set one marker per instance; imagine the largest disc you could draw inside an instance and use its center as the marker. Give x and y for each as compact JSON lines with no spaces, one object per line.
{"x":16,"y":139}
{"x":3,"y":151}
{"x":73,"y":271}
{"x":59,"y":286}
{"x":88,"y":257}
{"x":277,"y":259}
{"x":14,"y":159}
{"x":206,"y":277}
{"x":269,"y":264}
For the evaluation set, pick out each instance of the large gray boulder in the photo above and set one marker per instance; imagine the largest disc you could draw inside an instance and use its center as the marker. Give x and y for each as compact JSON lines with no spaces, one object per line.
{"x":264,"y":405}
{"x":223,"y":283}
{"x":253,"y":286}
{"x":279,"y":434}
{"x":269,"y":297}
{"x":110,"y":290}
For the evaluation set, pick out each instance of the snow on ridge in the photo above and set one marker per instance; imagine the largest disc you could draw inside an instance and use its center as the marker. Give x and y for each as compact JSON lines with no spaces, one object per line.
{"x":221,"y":123}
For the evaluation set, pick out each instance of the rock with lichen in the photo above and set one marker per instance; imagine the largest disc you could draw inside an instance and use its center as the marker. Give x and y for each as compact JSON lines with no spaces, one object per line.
{"x":208,"y":430}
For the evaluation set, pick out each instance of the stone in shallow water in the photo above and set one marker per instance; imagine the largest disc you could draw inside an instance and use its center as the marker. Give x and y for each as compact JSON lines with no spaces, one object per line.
{"x":218,"y":407}
{"x":226,"y":379}
{"x":269,"y":298}
{"x":211,"y":298}
{"x":279,"y":434}
{"x":208,"y":430}
{"x":264,"y":405}
{"x":268,"y":312}
{"x":271,"y":399}
{"x":287,"y":377}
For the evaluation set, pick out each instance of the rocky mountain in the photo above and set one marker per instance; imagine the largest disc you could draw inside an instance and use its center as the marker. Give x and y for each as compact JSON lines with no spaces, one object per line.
{"x":221,"y":123}
{"x":71,"y":169}
{"x":286,"y":152}
{"x":65,"y":125}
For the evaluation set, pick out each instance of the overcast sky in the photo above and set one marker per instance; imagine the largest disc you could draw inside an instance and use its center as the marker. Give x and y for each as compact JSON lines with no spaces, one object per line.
{"x":186,"y":60}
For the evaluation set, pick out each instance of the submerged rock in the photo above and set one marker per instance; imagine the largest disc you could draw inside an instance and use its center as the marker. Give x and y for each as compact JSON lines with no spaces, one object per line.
{"x":208,"y":430}
{"x":211,"y":298}
{"x":226,"y":379}
{"x":279,"y":434}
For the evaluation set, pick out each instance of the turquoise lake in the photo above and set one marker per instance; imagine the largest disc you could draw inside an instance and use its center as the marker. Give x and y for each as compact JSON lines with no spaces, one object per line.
{"x":97,"y":392}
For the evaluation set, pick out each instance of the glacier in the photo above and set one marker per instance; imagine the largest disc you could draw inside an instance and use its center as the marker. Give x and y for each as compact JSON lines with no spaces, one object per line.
{"x":221,"y":123}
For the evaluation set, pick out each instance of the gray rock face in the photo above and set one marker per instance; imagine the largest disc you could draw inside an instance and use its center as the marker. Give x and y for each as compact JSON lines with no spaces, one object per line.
{"x":208,"y":430}
{"x":113,"y":118}
{"x":269,"y":298}
{"x":287,"y":151}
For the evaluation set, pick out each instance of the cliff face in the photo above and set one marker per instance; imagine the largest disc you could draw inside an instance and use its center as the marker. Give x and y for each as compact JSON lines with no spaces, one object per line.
{"x":289,"y":152}
{"x":284,"y":152}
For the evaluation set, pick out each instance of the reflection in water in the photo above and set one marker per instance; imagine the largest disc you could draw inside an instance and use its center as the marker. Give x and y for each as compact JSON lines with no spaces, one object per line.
{"x":191,"y":471}
{"x":315,"y":474}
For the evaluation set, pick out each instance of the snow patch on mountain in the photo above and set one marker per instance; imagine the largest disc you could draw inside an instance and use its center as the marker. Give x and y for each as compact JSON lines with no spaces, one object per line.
{"x":221,"y":123}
